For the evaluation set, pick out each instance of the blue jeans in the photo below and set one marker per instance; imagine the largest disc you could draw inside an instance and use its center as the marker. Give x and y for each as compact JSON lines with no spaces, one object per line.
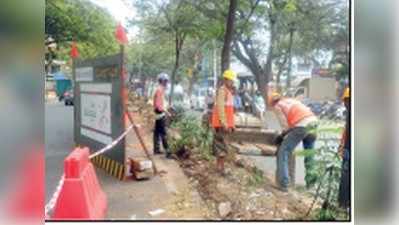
{"x":291,"y":140}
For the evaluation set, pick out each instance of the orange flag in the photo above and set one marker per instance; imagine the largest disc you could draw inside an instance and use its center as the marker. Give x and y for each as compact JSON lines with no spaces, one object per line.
{"x":120,"y":34}
{"x":74,"y":51}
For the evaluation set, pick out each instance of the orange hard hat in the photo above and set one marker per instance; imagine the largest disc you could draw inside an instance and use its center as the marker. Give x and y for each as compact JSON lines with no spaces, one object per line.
{"x":273,"y":97}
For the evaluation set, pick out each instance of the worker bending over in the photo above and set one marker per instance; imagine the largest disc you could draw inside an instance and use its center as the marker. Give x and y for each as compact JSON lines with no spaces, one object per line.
{"x":223,"y":118}
{"x":297,"y":122}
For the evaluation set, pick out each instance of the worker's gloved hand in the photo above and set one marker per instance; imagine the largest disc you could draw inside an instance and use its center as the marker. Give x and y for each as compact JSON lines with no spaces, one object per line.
{"x":279,"y":139}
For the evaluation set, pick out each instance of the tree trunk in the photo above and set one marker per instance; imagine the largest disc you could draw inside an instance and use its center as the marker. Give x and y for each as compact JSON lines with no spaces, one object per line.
{"x":278,"y":80}
{"x":290,"y":59}
{"x":178,"y":45}
{"x":280,"y":71}
{"x":228,"y":36}
{"x":263,"y":83}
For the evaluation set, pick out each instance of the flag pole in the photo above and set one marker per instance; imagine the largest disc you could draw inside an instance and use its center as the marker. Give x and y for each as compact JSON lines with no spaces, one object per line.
{"x":122,"y":39}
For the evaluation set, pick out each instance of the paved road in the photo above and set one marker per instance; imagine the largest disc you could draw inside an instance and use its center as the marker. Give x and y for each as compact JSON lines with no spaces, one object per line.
{"x":58,"y":141}
{"x":125,"y":199}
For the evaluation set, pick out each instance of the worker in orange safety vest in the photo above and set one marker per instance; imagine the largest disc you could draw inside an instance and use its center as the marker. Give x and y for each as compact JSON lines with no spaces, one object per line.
{"x":297,"y":122}
{"x":222,"y":120}
{"x":160,"y":109}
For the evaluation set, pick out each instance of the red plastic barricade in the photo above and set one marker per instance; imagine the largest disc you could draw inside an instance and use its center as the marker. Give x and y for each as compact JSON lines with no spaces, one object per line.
{"x":81,"y":196}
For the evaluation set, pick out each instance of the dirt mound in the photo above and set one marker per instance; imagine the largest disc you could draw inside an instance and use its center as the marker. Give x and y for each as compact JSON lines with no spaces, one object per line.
{"x":251,"y":195}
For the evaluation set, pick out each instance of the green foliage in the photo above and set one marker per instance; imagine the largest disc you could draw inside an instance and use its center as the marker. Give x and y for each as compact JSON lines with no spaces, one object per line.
{"x":290,"y":6}
{"x":306,"y":153}
{"x":82,"y":21}
{"x":257,"y":177}
{"x":326,"y":214}
{"x":193,"y":137}
{"x":151,"y":57}
{"x":327,"y":169}
{"x":183,"y":32}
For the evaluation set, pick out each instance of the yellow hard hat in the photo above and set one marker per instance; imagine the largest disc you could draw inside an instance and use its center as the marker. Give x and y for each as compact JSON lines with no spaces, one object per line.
{"x":274,"y":96}
{"x":229,"y":74}
{"x":345,"y":94}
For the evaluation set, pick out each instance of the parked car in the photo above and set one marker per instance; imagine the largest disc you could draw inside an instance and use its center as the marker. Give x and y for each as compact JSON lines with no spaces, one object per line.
{"x":68,"y":97}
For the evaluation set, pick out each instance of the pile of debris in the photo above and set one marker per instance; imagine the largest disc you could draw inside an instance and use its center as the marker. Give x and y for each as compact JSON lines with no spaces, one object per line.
{"x":244,"y":192}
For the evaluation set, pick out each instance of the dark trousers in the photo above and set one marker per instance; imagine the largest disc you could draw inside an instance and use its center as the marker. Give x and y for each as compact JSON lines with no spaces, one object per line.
{"x":160,"y":135}
{"x":344,"y":185}
{"x":220,"y":147}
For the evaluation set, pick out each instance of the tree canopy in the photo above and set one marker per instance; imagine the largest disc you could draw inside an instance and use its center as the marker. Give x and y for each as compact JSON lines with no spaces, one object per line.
{"x":266,"y":36}
{"x":91,"y":26}
{"x":180,"y":36}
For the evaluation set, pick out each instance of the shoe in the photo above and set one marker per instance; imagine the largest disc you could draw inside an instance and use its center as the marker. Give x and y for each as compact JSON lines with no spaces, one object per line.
{"x":283,"y":189}
{"x":169,"y":155}
{"x":222,"y":173}
{"x":157,"y":152}
{"x":279,"y":186}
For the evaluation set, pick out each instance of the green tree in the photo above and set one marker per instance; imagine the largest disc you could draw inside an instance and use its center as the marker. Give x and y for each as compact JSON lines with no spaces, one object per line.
{"x":267,"y":33}
{"x":182,"y":25}
{"x":148,"y":57}
{"x":82,"y":21}
{"x":287,"y":28}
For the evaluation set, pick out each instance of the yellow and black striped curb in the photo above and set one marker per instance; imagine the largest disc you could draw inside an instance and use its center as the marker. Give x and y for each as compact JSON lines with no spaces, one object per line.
{"x":112,"y":167}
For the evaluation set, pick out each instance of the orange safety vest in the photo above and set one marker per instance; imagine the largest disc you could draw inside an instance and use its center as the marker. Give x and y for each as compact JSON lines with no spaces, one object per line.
{"x":293,"y":110}
{"x":228,"y":110}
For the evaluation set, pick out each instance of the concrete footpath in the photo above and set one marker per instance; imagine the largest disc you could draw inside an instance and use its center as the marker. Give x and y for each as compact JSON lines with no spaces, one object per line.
{"x":156,"y":198}
{"x":166,"y":196}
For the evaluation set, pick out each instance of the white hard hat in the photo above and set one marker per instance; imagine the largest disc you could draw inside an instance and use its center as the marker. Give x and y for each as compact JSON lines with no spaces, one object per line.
{"x":163,"y":76}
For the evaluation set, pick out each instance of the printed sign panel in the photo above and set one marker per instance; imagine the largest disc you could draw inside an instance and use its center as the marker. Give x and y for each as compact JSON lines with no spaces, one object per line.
{"x":84,"y":74}
{"x":96,"y":112}
{"x":105,"y":88}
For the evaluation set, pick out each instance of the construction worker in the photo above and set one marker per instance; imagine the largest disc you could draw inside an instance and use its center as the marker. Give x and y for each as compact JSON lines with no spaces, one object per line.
{"x":297,"y":122}
{"x":344,"y":152}
{"x":223,"y":118}
{"x":160,"y":109}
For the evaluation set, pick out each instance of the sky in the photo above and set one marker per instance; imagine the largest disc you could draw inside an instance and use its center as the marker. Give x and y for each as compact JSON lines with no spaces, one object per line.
{"x":121,"y":11}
